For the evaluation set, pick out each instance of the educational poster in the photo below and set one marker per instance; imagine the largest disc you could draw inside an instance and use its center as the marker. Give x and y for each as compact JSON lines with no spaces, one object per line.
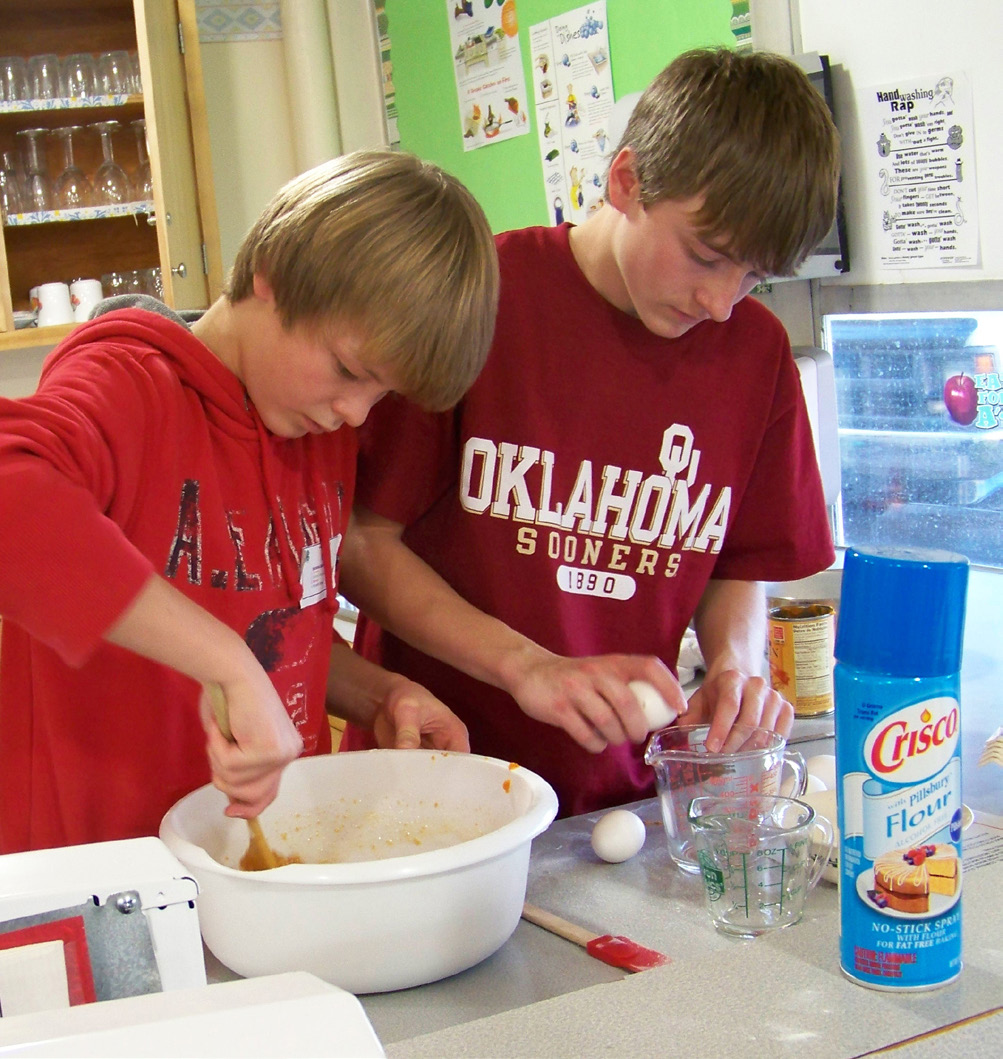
{"x":919,"y":138}
{"x":488,"y":64}
{"x":573,"y":95}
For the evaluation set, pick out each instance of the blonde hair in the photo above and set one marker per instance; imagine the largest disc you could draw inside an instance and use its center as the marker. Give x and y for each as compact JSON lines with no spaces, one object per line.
{"x":748,"y":133}
{"x":393,"y":246}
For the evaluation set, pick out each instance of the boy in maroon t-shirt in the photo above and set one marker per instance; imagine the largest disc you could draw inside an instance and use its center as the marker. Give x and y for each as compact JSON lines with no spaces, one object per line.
{"x":634,"y":456}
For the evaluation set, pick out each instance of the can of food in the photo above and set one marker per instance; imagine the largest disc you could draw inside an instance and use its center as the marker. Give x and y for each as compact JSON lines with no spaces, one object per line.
{"x":801,"y":638}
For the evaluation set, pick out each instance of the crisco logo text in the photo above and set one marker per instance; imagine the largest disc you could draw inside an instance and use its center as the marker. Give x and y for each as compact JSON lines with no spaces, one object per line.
{"x":918,"y":740}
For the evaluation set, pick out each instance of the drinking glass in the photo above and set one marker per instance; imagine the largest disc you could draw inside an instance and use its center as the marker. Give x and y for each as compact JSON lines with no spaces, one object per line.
{"x":72,"y":188}
{"x":114,"y":73}
{"x":114,"y":283}
{"x":45,"y":76}
{"x":143,"y":174}
{"x":154,"y":283}
{"x":10,"y":187}
{"x":37,"y":186}
{"x":111,"y":184}
{"x":79,"y":75}
{"x":14,"y":79}
{"x":137,"y":76}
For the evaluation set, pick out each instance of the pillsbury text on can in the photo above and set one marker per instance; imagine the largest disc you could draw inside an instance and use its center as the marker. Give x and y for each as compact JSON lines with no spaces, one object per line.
{"x":898,"y":761}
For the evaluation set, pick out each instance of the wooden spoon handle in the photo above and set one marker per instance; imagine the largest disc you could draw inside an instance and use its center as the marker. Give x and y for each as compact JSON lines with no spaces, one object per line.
{"x":263,"y":851}
{"x":220,"y":713}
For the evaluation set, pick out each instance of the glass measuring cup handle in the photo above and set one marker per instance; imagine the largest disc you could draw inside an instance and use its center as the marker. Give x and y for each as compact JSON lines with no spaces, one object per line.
{"x":821,"y":848}
{"x":800,"y":769}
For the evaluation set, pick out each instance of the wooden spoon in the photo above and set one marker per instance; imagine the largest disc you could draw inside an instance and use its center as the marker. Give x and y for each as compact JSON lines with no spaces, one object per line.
{"x":259,"y":855}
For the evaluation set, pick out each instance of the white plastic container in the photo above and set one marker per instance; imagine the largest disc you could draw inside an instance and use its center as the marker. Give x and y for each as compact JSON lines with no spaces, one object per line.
{"x":394,"y":911}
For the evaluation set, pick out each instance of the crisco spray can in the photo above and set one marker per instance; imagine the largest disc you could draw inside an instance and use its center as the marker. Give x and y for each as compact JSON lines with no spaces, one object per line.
{"x":898,"y":762}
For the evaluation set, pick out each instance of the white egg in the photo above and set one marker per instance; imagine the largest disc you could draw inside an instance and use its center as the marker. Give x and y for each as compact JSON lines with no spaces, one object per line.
{"x":823,"y":767}
{"x":824,"y":804}
{"x":812,"y":785}
{"x":618,"y":835}
{"x":657,"y":712}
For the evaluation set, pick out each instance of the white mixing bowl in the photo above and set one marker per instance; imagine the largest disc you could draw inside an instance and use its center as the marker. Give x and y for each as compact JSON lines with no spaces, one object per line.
{"x":430,"y":856}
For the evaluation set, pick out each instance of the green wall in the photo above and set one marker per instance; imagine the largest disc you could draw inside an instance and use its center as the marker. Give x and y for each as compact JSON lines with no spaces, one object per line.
{"x":507,"y":177}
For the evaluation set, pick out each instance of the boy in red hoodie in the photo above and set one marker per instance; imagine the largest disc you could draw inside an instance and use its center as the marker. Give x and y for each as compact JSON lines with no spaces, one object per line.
{"x":173,"y":500}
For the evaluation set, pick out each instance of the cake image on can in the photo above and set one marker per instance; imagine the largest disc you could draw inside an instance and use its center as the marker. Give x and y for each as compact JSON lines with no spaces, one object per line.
{"x":904,"y":879}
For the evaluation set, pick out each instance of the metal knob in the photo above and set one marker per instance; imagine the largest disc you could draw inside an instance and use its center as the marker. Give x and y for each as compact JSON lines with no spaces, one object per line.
{"x":181,"y":271}
{"x":127,"y":902}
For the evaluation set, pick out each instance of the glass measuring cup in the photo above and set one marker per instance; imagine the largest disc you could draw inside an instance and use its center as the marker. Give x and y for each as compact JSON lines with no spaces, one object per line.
{"x":749,"y":763}
{"x":759,"y":857}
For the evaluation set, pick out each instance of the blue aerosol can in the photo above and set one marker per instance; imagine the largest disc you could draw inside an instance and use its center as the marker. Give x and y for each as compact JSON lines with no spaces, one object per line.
{"x":898,"y":763}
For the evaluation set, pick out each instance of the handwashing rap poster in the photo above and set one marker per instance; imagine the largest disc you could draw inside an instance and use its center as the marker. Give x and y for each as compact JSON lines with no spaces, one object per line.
{"x":573,"y":96}
{"x":919,"y":139}
{"x":487,"y":60}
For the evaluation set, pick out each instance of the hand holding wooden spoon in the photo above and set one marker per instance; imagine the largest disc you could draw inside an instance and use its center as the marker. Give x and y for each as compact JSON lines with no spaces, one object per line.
{"x":259,"y":855}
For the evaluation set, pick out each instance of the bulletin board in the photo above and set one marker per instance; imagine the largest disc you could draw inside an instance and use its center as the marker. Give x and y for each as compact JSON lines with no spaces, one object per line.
{"x":506,"y":177}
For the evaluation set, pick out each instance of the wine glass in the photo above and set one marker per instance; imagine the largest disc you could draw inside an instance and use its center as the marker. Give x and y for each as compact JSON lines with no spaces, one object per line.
{"x":37,"y":186}
{"x":143,"y":174}
{"x":111,"y":184}
{"x":72,"y":188}
{"x":10,"y":187}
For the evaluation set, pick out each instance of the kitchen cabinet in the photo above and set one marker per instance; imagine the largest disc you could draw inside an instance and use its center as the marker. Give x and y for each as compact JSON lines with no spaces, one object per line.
{"x":177,"y":230}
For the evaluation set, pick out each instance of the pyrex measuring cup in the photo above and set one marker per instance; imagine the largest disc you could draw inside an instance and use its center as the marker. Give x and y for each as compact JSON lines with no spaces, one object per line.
{"x":759,"y":857}
{"x":749,"y":763}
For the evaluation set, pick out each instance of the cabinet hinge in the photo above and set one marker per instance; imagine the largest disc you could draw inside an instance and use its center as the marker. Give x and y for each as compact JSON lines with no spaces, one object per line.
{"x":205,"y":261}
{"x":181,"y":38}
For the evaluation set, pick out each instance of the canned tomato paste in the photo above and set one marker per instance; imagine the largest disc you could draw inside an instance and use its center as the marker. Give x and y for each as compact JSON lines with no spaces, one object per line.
{"x":898,"y":763}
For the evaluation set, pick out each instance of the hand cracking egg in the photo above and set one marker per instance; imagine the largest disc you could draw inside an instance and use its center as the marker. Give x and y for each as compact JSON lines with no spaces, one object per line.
{"x":618,"y":835}
{"x":657,"y":712}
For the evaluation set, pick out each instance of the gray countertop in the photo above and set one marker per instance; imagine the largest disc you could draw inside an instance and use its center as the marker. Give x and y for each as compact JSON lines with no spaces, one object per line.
{"x":778,"y":995}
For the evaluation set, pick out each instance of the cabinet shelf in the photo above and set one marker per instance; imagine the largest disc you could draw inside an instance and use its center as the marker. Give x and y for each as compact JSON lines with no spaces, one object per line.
{"x":29,"y":106}
{"x":80,"y":213}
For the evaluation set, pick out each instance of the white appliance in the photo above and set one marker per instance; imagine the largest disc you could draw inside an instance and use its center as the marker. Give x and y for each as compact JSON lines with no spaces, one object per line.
{"x":95,"y":922}
{"x":292,"y":1014}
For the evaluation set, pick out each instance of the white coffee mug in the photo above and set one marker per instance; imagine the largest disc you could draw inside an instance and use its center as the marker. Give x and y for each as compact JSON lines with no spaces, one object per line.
{"x":84,"y":295}
{"x":54,"y":305}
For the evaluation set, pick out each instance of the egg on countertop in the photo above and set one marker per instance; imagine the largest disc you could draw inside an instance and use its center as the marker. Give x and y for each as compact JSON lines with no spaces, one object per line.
{"x":813,"y":784}
{"x":823,"y":767}
{"x":618,"y":835}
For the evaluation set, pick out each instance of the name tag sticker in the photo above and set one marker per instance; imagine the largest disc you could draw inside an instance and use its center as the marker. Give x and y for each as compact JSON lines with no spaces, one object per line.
{"x":312,"y":577}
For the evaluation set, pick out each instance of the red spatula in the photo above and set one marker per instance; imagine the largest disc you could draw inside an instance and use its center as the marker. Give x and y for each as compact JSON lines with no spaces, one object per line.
{"x":613,"y":949}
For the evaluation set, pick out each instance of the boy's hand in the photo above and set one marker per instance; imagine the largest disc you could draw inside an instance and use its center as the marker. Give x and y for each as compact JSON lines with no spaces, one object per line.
{"x":589,"y":697}
{"x":730,"y":697}
{"x":247,"y":767}
{"x":410,"y":717}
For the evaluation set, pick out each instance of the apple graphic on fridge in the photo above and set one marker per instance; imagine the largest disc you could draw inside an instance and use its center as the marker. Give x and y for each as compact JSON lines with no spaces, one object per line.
{"x":961,"y":398}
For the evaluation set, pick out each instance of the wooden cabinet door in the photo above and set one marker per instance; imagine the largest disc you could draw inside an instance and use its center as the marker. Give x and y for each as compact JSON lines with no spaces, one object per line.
{"x":177,"y":133}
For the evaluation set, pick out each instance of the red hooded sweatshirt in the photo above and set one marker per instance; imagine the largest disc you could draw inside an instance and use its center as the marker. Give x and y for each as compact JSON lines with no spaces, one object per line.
{"x":140,"y":453}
